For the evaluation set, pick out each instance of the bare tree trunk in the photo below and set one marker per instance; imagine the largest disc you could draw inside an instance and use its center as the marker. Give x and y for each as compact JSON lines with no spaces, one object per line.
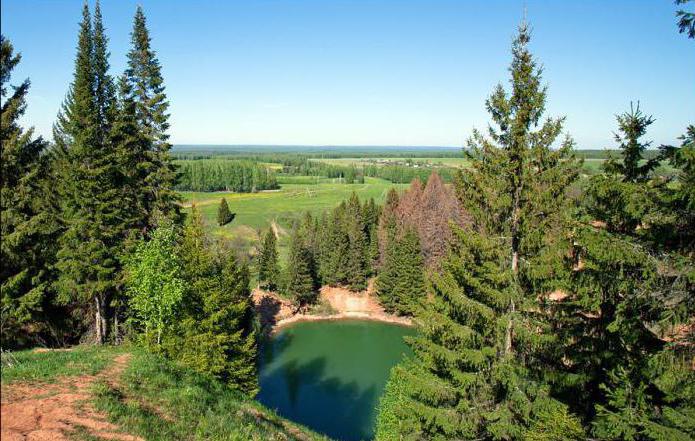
{"x":98,"y":313}
{"x":116,"y":336}
{"x":515,"y":266}
{"x":100,"y":319}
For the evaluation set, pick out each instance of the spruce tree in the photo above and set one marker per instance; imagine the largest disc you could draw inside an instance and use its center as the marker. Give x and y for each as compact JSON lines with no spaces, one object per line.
{"x":214,"y":333}
{"x":632,"y":126}
{"x":158,"y":174}
{"x":131,"y":153}
{"x":401,"y":281}
{"x":630,"y":288}
{"x":224,"y":216}
{"x":619,"y":197}
{"x":26,"y":225}
{"x":88,"y":256}
{"x":356,"y":263}
{"x":371,"y":213}
{"x":475,"y":371}
{"x":334,"y":248}
{"x":104,"y":88}
{"x":388,"y":223}
{"x":300,"y":282}
{"x":676,"y":227}
{"x":268,"y":270}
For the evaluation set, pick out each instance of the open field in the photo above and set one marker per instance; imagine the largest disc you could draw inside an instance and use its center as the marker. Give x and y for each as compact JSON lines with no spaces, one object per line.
{"x":256,"y":211}
{"x":443,"y":162}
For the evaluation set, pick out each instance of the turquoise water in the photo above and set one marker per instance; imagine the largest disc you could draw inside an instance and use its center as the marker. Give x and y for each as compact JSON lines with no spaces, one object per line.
{"x":328,"y":375}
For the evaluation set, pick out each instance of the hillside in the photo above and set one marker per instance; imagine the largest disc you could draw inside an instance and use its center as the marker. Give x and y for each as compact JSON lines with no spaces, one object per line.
{"x":89,"y":393}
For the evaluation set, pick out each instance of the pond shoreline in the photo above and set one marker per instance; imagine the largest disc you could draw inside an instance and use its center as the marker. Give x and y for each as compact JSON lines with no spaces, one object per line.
{"x":299,"y":318}
{"x":277,"y":313}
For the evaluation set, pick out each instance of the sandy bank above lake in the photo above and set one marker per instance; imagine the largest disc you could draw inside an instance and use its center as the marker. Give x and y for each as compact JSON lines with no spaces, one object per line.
{"x":276,"y":312}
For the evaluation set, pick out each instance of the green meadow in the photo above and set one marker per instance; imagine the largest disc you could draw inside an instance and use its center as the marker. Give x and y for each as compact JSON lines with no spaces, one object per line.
{"x":256,"y":211}
{"x":442,"y":162}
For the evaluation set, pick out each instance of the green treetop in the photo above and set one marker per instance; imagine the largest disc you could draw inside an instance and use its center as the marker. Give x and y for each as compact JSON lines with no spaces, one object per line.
{"x":473,"y":375}
{"x":401,"y":281}
{"x":144,"y":75}
{"x":300,"y":282}
{"x":632,"y":126}
{"x":26,"y":225}
{"x":224,"y":216}
{"x":90,"y":191}
{"x":268,"y":270}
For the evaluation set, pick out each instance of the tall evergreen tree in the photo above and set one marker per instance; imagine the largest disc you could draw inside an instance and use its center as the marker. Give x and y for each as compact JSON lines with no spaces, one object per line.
{"x":104,"y":88}
{"x":335,"y":248}
{"x":87,"y":258}
{"x":158,"y":174}
{"x":388,"y":223}
{"x":401,"y":281}
{"x":26,"y":226}
{"x":300,"y":281}
{"x":622,"y":370}
{"x":268,"y":270}
{"x":356,"y":262}
{"x":475,"y":374}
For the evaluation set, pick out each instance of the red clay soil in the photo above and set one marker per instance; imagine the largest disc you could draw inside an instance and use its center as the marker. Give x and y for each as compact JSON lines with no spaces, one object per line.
{"x":50,"y":412}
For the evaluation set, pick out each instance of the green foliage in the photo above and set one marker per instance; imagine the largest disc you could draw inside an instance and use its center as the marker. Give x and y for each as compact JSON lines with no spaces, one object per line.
{"x":224,"y":216}
{"x":213,"y":331}
{"x":154,"y":283}
{"x":620,"y":373}
{"x":27,"y":227}
{"x":159,"y":400}
{"x":659,"y":406}
{"x":632,"y":126}
{"x":347,"y":245}
{"x":475,"y":371}
{"x":228,"y":175}
{"x":90,"y":194}
{"x":675,"y":224}
{"x":268,"y":269}
{"x":300,"y":281}
{"x":389,"y":425}
{"x":356,"y":265}
{"x":401,"y":281}
{"x":156,"y":175}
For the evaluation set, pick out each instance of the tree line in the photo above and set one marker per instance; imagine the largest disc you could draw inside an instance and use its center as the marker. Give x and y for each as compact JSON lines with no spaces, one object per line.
{"x":338,"y":248}
{"x":93,"y":243}
{"x":556,"y":314}
{"x":358,"y":241}
{"x":227,"y":175}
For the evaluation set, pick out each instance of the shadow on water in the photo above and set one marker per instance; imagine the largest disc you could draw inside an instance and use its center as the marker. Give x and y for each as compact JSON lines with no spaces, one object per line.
{"x":267,"y":310}
{"x":300,"y":392}
{"x":272,"y":347}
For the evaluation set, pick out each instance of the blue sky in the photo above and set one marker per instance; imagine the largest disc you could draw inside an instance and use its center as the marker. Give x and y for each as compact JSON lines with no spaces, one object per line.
{"x":368,"y":72}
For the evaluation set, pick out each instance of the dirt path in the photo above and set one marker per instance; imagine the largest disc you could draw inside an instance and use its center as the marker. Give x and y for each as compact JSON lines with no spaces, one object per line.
{"x":50,"y":412}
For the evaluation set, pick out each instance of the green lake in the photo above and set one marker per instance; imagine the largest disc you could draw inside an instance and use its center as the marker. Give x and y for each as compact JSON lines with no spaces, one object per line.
{"x":329,"y":375}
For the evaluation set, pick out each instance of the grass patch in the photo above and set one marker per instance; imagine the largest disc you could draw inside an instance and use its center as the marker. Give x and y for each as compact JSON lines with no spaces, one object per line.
{"x":257,"y":210}
{"x":47,"y":366}
{"x":322,"y":308}
{"x":159,"y":401}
